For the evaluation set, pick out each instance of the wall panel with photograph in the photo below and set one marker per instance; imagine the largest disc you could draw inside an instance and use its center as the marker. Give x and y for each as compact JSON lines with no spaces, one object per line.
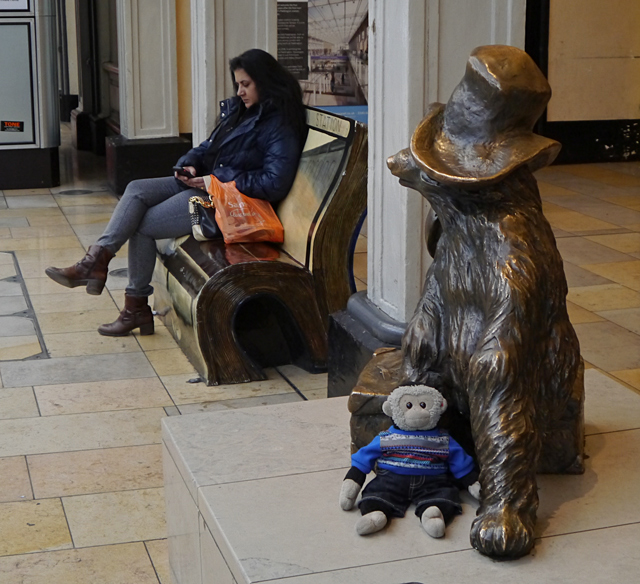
{"x":325,"y":44}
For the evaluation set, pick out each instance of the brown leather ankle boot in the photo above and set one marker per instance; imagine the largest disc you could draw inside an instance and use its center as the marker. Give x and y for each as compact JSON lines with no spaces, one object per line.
{"x":136,"y":314}
{"x":91,"y":271}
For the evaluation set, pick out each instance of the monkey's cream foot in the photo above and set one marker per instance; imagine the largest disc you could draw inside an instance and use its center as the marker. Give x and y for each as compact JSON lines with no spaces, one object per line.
{"x":371,"y":522}
{"x":433,"y":522}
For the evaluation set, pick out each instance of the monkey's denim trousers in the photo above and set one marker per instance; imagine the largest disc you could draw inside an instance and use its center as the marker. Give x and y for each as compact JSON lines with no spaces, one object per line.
{"x":392,"y":493}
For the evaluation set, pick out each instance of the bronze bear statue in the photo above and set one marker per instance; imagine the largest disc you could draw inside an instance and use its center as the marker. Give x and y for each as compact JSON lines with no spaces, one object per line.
{"x":491,"y":331}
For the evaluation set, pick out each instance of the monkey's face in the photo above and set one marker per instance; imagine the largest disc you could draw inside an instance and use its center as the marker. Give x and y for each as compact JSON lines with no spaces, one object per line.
{"x":417,"y":412}
{"x":415,"y":407}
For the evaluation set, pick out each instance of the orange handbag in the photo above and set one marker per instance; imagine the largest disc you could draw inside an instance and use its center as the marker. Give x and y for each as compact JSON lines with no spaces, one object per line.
{"x":243,"y":219}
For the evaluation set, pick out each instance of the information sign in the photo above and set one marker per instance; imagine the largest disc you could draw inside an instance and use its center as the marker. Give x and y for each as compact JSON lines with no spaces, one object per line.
{"x":14,"y":5}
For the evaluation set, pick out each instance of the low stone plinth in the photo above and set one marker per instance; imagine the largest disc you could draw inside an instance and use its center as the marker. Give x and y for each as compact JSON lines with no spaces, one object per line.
{"x":252,"y":496}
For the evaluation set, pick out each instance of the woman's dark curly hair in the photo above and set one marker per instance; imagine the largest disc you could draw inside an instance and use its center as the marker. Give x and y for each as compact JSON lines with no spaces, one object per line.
{"x":276,"y":86}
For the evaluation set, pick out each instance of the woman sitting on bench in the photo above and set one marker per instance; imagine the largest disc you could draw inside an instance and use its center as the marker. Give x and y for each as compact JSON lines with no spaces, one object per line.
{"x":257,"y":143}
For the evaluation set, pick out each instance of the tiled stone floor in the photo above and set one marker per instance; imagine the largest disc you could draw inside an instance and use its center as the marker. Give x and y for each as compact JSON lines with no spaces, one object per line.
{"x":81,"y":496}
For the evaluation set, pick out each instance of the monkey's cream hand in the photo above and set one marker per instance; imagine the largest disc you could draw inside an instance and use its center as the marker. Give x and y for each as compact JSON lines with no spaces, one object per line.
{"x":349,"y":493}
{"x":474,"y":490}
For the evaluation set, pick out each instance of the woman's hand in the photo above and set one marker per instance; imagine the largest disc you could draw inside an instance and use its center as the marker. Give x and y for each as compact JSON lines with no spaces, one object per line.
{"x":197,"y":182}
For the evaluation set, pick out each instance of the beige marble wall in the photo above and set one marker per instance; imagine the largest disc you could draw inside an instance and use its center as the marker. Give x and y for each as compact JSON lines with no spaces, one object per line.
{"x":594,"y":68}
{"x":183,"y":47}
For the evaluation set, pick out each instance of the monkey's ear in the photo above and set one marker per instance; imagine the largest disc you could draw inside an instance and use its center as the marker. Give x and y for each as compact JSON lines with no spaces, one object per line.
{"x":386,"y":408}
{"x":443,"y":405}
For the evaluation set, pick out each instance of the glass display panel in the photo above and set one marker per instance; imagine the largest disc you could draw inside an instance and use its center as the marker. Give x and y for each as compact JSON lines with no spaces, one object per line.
{"x":16,"y":84}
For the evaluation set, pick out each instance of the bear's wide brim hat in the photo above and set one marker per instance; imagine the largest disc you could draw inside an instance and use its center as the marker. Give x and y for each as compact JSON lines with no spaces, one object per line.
{"x":485,"y":131}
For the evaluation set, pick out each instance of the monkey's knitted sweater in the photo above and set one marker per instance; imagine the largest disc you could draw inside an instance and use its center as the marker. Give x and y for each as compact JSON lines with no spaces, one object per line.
{"x":426,"y":452}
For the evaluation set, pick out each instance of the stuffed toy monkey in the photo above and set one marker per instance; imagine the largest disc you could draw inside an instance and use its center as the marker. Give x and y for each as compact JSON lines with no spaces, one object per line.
{"x":414,"y":460}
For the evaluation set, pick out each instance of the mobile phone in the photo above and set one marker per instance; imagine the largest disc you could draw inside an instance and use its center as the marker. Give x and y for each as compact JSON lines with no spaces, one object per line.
{"x":182,"y":172}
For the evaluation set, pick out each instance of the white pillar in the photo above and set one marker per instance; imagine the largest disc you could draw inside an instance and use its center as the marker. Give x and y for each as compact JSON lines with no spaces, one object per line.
{"x":418,"y":52}
{"x":147,"y":64}
{"x":221,"y":30}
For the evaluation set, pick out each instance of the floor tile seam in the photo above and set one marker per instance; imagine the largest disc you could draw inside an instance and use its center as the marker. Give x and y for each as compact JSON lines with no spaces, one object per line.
{"x":590,"y":530}
{"x":83,"y":450}
{"x":590,"y":232}
{"x":298,"y":391}
{"x":590,"y":206}
{"x":627,"y":258}
{"x":607,"y":322}
{"x":54,"y":416}
{"x":53,"y":498}
{"x":64,"y":511}
{"x":596,"y":202}
{"x":609,"y":432}
{"x":344,"y":467}
{"x":65,"y":550}
{"x":93,"y":545}
{"x":599,"y":287}
{"x":601,"y":312}
{"x":370,"y":564}
{"x":26,"y":465}
{"x":127,"y":409}
{"x":63,"y":497}
{"x":57,"y":356}
{"x":76,"y":449}
{"x":153,"y":566}
{"x":46,"y":453}
{"x":610,"y":277}
{"x":30,"y":310}
{"x":621,"y":381}
{"x":87,"y":356}
{"x":611,"y":376}
{"x":61,"y":212}
{"x":35,"y":398}
{"x":66,"y":547}
{"x":583,"y":184}
{"x":222,"y":401}
{"x":137,"y":340}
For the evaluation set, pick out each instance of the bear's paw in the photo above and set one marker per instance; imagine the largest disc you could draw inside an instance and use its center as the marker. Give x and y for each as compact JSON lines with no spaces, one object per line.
{"x":500,"y":532}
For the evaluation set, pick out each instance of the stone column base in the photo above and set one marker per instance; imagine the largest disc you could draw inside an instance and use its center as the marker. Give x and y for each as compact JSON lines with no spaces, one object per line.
{"x":29,"y":168}
{"x":88,"y":132}
{"x":129,"y":160}
{"x":67,"y":104}
{"x":355,"y":334}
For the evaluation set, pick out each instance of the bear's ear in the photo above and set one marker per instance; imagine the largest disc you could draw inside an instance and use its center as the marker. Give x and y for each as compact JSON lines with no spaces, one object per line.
{"x":386,"y":408}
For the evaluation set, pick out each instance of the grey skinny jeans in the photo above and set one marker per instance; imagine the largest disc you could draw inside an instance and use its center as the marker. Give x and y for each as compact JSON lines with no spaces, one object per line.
{"x":150,"y":209}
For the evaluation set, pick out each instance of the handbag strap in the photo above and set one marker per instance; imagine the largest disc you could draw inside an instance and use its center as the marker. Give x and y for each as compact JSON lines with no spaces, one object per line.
{"x":207,"y":204}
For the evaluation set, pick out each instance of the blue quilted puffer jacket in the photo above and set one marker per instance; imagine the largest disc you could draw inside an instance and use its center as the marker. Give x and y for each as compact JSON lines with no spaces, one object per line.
{"x":261,"y":153}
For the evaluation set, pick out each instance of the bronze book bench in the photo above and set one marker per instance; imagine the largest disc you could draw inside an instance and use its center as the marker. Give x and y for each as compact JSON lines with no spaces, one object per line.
{"x":236,"y":308}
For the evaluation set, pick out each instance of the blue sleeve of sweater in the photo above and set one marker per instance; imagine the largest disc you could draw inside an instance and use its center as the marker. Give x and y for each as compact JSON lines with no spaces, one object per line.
{"x":460,"y":463}
{"x":366,"y":457}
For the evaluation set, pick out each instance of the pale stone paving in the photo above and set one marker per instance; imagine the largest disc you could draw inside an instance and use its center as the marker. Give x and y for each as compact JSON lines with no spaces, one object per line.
{"x":81,"y":496}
